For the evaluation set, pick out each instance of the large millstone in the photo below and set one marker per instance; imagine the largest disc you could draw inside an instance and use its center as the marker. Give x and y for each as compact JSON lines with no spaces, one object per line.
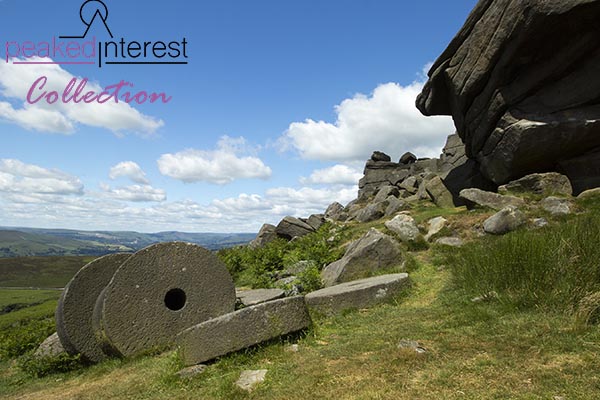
{"x":157,"y":293}
{"x":76,"y":306}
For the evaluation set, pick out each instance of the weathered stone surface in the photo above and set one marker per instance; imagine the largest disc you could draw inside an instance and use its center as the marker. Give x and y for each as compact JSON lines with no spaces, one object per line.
{"x":265,"y":235}
{"x":540,"y":222}
{"x":520,"y":81}
{"x":545,"y":184}
{"x":591,"y":193}
{"x":248,"y":380}
{"x":316,"y":221}
{"x":191,"y":372}
{"x":450,"y":241}
{"x":504,"y":221}
{"x":357,"y":294}
{"x":380,"y":156}
{"x":386,"y":192}
{"x":50,"y":347}
{"x":334,"y":211}
{"x":556,"y":205}
{"x":368,"y":254}
{"x":256,"y":296}
{"x":291,"y":227}
{"x":158,"y":292}
{"x":408,"y":158}
{"x":395,"y":205}
{"x":583,"y":171}
{"x":378,"y":175}
{"x":453,"y":153}
{"x":241,"y":329}
{"x":371,"y":212}
{"x":439,"y":193}
{"x":76,"y":306}
{"x":404,"y":226}
{"x":435,"y":226}
{"x":410,"y":184}
{"x":425,"y":165}
{"x":491,"y":200}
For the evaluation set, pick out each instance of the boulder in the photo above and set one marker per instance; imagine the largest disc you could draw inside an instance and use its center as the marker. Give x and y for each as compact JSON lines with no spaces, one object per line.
{"x":546,"y":184}
{"x":291,"y":227}
{"x":386,"y":192}
{"x":370,"y":253}
{"x":435,"y":226}
{"x":380,"y":156}
{"x":371,"y":212}
{"x":439,"y":193}
{"x":50,"y":347}
{"x":453,"y":154}
{"x":491,"y":200}
{"x":249,"y":379}
{"x":334,"y":212}
{"x":410,"y":184}
{"x":450,"y":241}
{"x":256,"y":296}
{"x":504,"y":221}
{"x":378,"y":175}
{"x":404,"y":226}
{"x":520,"y":81}
{"x":583,"y":171}
{"x":408,"y":158}
{"x":266,"y":235}
{"x":241,"y":329}
{"x":590,"y":193}
{"x":395,"y":205}
{"x":358,"y":294}
{"x":316,"y":221}
{"x":556,"y":206}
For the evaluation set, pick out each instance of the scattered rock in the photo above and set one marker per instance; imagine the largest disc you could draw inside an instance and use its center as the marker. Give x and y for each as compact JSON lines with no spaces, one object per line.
{"x":486,"y":297}
{"x":408,"y":158}
{"x":491,"y":200}
{"x":435,"y":226}
{"x":158,"y":292}
{"x":292,"y":348}
{"x":590,"y":193}
{"x":243,"y":328}
{"x":256,"y":296}
{"x":372,"y":252}
{"x":357,"y":294}
{"x":380,"y":156}
{"x":556,"y":206}
{"x":386,"y":192}
{"x":539,"y":222}
{"x":551,"y":183}
{"x":76,"y":306}
{"x":316,"y":221}
{"x":191,"y":372}
{"x":291,"y":227}
{"x":504,"y":221}
{"x":412,"y":345}
{"x":297,"y":268}
{"x":404,"y":226}
{"x":265,"y":235}
{"x":50,"y":347}
{"x":439,"y":193}
{"x":250,"y":379}
{"x":410,"y":184}
{"x":450,"y":241}
{"x":395,"y":205}
{"x":371,"y":212}
{"x":378,"y":175}
{"x":335,"y":212}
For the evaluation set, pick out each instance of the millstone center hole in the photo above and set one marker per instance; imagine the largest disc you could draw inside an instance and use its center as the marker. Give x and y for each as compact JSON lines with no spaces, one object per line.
{"x":175,"y":299}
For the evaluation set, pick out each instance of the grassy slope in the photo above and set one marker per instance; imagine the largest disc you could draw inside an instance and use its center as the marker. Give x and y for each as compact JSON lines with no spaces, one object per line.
{"x":42,"y":272}
{"x":475,"y":351}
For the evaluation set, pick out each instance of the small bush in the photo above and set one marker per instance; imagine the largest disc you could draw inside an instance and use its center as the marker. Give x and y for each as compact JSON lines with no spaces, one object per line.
{"x":24,"y":336}
{"x":42,"y":366}
{"x":554,"y":267}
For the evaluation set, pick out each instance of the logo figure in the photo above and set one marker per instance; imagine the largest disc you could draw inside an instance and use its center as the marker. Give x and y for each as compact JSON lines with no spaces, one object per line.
{"x":101,"y":12}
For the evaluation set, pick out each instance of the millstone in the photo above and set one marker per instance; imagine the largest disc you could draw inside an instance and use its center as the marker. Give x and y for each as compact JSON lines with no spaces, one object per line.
{"x":158,"y":292}
{"x":76,"y":306}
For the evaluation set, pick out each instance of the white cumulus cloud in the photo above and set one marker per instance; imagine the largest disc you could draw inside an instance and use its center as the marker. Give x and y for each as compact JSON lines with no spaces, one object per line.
{"x":229,"y":162}
{"x":337,"y":175}
{"x":17,"y":177}
{"x":129,"y":169}
{"x":387,"y":120}
{"x":135,"y":193}
{"x":16,"y":81}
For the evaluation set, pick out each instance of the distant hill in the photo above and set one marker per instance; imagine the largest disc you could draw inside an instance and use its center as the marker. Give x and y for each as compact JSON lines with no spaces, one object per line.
{"x":24,"y":242}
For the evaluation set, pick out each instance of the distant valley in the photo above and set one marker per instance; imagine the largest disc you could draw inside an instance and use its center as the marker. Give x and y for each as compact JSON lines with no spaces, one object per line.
{"x":25,"y":242}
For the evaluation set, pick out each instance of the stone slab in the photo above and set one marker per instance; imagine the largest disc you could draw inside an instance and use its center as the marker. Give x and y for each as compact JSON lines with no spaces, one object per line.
{"x":357,"y":294}
{"x":243,"y":328}
{"x":257,"y":296}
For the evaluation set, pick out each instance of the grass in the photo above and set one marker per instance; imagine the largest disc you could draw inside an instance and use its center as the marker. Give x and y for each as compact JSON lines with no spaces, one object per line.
{"x":474,"y":351}
{"x":40,"y":272}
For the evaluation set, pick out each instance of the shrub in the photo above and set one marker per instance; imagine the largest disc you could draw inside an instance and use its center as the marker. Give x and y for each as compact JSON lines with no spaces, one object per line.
{"x":24,"y":336}
{"x":43,"y":366}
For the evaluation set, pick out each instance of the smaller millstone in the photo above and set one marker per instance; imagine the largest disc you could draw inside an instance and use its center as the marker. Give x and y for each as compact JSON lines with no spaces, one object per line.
{"x":243,"y":328}
{"x":357,"y":294}
{"x":257,"y":296}
{"x":250,"y":379}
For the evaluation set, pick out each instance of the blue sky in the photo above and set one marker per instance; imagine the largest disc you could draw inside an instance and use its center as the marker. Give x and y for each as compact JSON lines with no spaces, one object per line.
{"x":280,"y":105}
